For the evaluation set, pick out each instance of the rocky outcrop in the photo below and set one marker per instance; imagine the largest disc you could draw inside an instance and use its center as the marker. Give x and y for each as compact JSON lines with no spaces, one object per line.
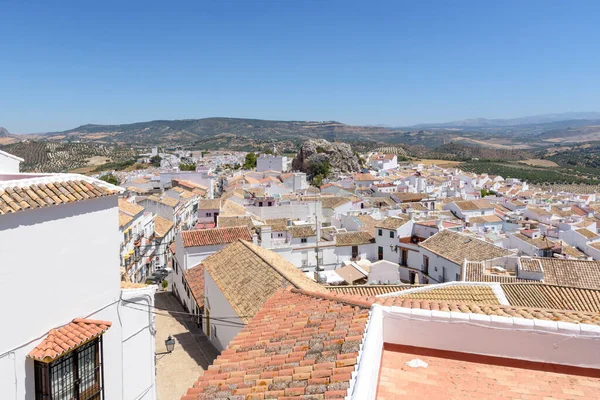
{"x":340,"y":157}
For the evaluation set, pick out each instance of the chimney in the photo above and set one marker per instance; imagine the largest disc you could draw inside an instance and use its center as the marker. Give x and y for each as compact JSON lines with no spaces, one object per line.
{"x":440,"y":225}
{"x":255,"y":238}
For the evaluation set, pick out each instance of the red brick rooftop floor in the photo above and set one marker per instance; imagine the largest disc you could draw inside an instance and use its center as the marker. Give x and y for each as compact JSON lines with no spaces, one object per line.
{"x":452,"y":375}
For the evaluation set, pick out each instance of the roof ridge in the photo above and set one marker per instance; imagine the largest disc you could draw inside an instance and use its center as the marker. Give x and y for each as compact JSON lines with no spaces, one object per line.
{"x":340,"y":298}
{"x":247,"y":245}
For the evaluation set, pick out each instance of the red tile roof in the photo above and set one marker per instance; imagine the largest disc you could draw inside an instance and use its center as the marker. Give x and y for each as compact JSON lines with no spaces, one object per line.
{"x":68,"y":337}
{"x":295,"y":346}
{"x":195,"y":280}
{"x":215,"y":236}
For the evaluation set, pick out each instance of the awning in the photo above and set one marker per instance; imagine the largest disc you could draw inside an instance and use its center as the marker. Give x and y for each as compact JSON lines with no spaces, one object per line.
{"x":66,"y":338}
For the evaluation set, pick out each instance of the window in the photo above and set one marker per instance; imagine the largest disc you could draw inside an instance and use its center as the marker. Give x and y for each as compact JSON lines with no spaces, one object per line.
{"x":426,"y":265}
{"x":457,"y":277}
{"x":303,"y":240}
{"x":354,"y":251}
{"x":77,"y":375}
{"x":483,"y":213}
{"x":209,"y":214}
{"x":391,"y":234}
{"x":380,"y":253}
{"x":380,"y":233}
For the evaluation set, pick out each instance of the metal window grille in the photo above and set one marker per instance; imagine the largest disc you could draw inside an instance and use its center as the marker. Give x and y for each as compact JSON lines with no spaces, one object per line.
{"x":75,"y":376}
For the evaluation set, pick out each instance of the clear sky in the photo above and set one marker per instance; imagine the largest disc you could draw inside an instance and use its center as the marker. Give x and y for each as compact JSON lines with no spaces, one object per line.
{"x":63,"y":64}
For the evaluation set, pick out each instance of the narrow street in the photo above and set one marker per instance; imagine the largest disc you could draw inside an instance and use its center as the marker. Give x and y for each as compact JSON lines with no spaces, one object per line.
{"x":177,"y":371}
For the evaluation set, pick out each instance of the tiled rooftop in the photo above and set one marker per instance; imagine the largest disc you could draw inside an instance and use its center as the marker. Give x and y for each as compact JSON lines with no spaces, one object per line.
{"x":392,"y":223}
{"x":353,"y":238}
{"x":19,"y":198}
{"x":195,"y":280}
{"x":552,"y":296}
{"x":295,"y":346}
{"x":457,"y":247}
{"x":215,"y":236}
{"x":162,"y":226}
{"x":368,"y":290}
{"x":67,"y":337}
{"x":248,"y":275}
{"x":479,"y":294}
{"x":451,"y":375}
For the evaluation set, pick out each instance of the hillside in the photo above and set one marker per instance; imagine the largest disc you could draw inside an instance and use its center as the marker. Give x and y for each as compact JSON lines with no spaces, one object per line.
{"x":43,"y":156}
{"x":220,"y":132}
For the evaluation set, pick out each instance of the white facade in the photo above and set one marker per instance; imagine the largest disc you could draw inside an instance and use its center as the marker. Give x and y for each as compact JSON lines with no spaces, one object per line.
{"x":73,"y":273}
{"x":268,"y":162}
{"x":222,"y":323}
{"x":9,"y":164}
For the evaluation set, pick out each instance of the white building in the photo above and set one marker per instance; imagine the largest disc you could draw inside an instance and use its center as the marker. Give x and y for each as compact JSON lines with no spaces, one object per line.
{"x":64,"y":299}
{"x":238,"y":280}
{"x":384,"y":161}
{"x":269,"y":162}
{"x":9,"y":164}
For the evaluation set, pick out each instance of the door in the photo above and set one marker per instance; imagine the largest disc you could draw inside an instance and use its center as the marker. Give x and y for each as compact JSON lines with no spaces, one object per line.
{"x":380,"y":253}
{"x":412,"y":278}
{"x":404,"y":257}
{"x":354,"y":252}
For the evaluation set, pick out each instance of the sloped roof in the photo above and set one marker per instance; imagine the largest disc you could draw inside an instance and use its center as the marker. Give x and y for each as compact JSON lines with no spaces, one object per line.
{"x":19,"y":198}
{"x":215,"y":236}
{"x":552,"y":296}
{"x":248,"y":275}
{"x":209,"y":204}
{"x":296,"y":346}
{"x":350,"y":274}
{"x":460,"y":293}
{"x":277,"y":224}
{"x":353,"y":238}
{"x":223,"y":222}
{"x":575,"y":273}
{"x":302,"y":231}
{"x":368,"y":290}
{"x":391,"y":223}
{"x":587,"y":233}
{"x":68,"y":337}
{"x":129,"y":208}
{"x":456,"y":247}
{"x":475,"y":271}
{"x":162,"y":226}
{"x":231,"y":209}
{"x":195,"y":280}
{"x":124,"y":219}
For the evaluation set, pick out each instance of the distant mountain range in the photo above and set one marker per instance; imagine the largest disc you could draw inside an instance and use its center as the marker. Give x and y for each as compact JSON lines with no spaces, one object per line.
{"x":511,"y":122}
{"x":247,"y":134}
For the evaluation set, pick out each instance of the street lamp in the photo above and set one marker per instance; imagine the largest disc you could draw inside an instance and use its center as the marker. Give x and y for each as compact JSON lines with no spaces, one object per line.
{"x":170,"y":344}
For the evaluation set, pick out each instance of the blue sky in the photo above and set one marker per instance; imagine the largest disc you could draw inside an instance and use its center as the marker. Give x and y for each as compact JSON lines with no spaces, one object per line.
{"x":64,"y":64}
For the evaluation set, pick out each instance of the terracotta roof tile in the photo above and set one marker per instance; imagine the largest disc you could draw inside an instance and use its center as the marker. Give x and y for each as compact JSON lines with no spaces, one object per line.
{"x":302,"y":231}
{"x":215,"y":236}
{"x":66,"y":338}
{"x":353,"y":238}
{"x":392,"y":223}
{"x":456,"y":247}
{"x":13,"y":199}
{"x":248,"y":275}
{"x":124,"y":219}
{"x":162,"y":225}
{"x":231,"y":209}
{"x":574,"y":273}
{"x":209,"y":204}
{"x":296,"y":346}
{"x":129,"y":208}
{"x":483,"y":294}
{"x":368,"y":290}
{"x":552,"y":296}
{"x":195,"y":280}
{"x":224,"y":222}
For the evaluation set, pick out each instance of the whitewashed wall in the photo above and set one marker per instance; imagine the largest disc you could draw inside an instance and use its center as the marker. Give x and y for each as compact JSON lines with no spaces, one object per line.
{"x":220,"y":308}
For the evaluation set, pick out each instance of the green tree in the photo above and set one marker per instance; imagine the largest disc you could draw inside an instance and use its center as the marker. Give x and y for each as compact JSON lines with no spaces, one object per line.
{"x":250,"y":161}
{"x":155,"y":161}
{"x":187,"y":167}
{"x":110,"y":178}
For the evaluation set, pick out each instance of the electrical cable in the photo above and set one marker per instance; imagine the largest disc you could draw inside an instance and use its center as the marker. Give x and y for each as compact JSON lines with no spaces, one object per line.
{"x":221,"y":319}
